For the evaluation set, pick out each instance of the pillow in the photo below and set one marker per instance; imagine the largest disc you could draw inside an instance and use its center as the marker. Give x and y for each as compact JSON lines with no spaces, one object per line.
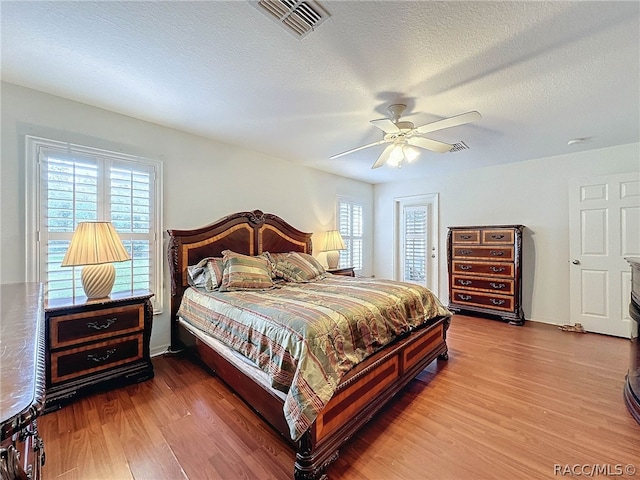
{"x":207,"y":273}
{"x":243,"y":272}
{"x":298,"y":268}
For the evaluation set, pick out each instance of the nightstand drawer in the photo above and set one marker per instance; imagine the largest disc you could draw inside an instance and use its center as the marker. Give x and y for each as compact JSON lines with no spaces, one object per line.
{"x":76,"y":362}
{"x":83,"y":327}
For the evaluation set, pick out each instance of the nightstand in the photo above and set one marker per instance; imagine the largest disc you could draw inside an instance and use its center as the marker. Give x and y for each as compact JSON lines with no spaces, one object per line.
{"x":96,"y":344}
{"x":345,"y":272}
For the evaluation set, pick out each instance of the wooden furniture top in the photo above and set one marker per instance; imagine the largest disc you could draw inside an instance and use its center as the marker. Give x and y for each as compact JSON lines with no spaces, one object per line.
{"x":82,"y":301}
{"x":22,"y":380}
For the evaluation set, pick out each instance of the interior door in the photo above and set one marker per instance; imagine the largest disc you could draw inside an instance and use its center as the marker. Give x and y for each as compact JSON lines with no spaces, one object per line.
{"x":604,"y":228}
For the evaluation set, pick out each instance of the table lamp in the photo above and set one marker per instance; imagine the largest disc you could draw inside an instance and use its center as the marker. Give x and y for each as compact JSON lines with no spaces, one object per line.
{"x":332,"y":244}
{"x":95,"y":245}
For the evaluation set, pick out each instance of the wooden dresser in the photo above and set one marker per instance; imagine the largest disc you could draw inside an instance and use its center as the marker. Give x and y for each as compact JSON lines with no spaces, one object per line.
{"x":22,"y":380}
{"x":632,"y":385}
{"x":96,"y":344}
{"x":485,"y":273}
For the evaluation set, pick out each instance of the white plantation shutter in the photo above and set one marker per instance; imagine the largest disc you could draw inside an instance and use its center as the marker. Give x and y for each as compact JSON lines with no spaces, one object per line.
{"x":350,"y":226}
{"x":78,"y":184}
{"x":415,"y":243}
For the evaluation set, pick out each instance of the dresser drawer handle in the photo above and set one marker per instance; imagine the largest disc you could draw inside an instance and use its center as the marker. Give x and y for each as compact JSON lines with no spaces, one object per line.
{"x":465,"y":252}
{"x":497,"y":302}
{"x":497,"y":269}
{"x":464,"y":297}
{"x":497,"y":237}
{"x":497,"y":285}
{"x":466,"y":267}
{"x":465,"y":237}
{"x":98,"y":358}
{"x":106,"y":324}
{"x":465,"y":282}
{"x":497,"y":253}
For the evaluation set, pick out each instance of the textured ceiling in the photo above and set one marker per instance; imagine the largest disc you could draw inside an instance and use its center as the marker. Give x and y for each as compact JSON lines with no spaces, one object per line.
{"x":540,"y":73}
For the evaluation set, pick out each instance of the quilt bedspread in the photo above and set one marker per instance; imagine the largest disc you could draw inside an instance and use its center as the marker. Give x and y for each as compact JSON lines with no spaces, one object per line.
{"x":306,"y":336}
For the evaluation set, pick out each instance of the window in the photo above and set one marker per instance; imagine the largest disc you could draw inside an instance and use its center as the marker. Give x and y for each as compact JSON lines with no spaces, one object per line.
{"x":414,"y":243}
{"x":70,"y":183}
{"x":416,"y":240}
{"x":350,"y":227}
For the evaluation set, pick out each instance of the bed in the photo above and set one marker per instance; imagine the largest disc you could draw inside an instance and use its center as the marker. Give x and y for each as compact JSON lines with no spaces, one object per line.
{"x":359,"y":391}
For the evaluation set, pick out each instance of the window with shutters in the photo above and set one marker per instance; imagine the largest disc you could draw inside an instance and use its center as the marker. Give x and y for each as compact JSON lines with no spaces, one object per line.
{"x":350,"y":226}
{"x":73,"y":183}
{"x":415,"y":243}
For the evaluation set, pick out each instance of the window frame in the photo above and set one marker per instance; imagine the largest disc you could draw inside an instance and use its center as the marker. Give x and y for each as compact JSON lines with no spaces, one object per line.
{"x":33,"y":205}
{"x":348,"y":239}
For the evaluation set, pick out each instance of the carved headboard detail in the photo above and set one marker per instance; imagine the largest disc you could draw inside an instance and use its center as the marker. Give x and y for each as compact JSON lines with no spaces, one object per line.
{"x":250,"y":233}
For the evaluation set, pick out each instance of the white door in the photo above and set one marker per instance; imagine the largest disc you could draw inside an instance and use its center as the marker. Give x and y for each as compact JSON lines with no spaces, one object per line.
{"x":604,"y":228}
{"x":416,"y":240}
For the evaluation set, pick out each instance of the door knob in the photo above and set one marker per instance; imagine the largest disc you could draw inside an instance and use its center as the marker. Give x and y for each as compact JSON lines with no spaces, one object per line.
{"x":576,"y":262}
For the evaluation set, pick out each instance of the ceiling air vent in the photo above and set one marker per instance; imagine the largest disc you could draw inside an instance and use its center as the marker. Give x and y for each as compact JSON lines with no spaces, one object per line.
{"x":458,"y":146}
{"x":298,"y":17}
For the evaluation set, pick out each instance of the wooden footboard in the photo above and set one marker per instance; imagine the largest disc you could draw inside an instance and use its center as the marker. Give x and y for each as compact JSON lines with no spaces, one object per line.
{"x":360,"y":395}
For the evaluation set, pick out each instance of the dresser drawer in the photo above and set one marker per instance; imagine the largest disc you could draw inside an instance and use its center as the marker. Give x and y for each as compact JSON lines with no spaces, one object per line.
{"x":504,"y":286}
{"x":76,"y":362}
{"x":466,"y":236}
{"x":497,"y":302}
{"x":83,"y":327}
{"x":484,"y":268}
{"x":494,"y":253}
{"x":497,"y":236}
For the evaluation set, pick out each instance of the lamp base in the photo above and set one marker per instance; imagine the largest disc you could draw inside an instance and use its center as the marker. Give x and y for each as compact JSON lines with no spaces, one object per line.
{"x":98,"y":280}
{"x":333,"y":257}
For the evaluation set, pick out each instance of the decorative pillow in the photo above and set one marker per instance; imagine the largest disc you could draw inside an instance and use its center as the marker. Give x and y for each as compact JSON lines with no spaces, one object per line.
{"x":243,"y":272}
{"x":297,"y":267}
{"x":207,"y":273}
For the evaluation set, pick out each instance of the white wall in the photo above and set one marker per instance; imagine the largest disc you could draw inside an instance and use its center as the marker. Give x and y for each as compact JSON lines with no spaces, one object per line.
{"x":203,"y":179}
{"x":533,"y":193}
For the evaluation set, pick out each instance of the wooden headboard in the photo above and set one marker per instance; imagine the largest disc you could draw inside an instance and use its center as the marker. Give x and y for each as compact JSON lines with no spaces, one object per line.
{"x":250,"y":233}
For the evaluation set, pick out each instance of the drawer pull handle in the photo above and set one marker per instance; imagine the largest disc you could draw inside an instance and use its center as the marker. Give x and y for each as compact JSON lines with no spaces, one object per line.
{"x":464,"y":282}
{"x":497,"y":302}
{"x":497,"y":253}
{"x":465,"y":252}
{"x":497,"y":237}
{"x":465,"y":237}
{"x":497,"y":285}
{"x":497,"y":269}
{"x":106,"y":324}
{"x":466,"y":267}
{"x":464,"y":297}
{"x":98,"y":358}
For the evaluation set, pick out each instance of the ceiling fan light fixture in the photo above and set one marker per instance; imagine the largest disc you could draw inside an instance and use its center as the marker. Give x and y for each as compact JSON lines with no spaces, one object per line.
{"x":410,"y":153}
{"x":396,"y":156}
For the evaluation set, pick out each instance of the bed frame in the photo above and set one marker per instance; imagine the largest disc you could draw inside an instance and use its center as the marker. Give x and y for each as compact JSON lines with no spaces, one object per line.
{"x":361,"y":393}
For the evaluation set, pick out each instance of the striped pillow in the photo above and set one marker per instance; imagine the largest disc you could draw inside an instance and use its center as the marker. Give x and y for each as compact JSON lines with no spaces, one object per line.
{"x":243,"y":272}
{"x":298,"y":268}
{"x":207,"y":273}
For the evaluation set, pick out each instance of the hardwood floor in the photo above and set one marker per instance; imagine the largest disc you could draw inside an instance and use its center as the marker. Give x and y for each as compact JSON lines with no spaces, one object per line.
{"x":511,"y":403}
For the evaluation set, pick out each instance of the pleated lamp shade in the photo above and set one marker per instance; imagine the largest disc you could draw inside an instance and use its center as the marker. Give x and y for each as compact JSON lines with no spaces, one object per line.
{"x":332,"y":243}
{"x":96,"y":245}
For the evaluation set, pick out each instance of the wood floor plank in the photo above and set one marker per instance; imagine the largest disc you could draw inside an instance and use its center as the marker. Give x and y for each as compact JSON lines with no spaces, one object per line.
{"x":510,"y":403}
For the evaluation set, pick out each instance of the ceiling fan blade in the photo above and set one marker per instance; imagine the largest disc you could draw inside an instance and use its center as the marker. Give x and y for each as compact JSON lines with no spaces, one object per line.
{"x":357,"y":148}
{"x":386,"y":125}
{"x":429,"y":144}
{"x":449,"y":122}
{"x":384,"y":156}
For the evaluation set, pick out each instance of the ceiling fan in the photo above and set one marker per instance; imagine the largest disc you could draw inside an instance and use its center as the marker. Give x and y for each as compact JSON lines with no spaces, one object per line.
{"x":403,"y":136}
